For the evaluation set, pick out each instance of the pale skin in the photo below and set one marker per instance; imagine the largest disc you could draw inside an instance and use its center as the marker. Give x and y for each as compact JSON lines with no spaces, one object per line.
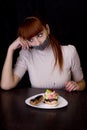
{"x":9,"y":80}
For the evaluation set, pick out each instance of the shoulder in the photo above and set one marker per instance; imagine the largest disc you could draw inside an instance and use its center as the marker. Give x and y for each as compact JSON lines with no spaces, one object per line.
{"x":69,"y":49}
{"x":70,"y":52}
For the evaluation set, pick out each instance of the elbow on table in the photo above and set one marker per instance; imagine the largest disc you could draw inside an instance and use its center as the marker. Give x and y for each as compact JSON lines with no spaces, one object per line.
{"x":6,"y":86}
{"x":82,"y":85}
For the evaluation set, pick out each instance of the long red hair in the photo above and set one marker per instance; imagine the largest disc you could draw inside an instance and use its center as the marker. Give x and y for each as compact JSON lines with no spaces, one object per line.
{"x":31,"y":26}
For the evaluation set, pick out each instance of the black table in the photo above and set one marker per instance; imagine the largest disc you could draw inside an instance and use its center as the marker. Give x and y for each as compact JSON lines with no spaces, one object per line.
{"x":16,"y":115}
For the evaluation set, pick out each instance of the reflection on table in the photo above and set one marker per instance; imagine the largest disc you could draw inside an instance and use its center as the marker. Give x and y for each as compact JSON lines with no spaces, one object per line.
{"x":16,"y":115}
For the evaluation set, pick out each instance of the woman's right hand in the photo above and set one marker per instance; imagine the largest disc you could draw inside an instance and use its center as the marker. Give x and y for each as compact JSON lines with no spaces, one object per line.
{"x":20,"y":42}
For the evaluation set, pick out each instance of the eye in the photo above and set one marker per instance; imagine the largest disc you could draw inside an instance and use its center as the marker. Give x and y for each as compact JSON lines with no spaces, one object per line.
{"x":31,"y":40}
{"x":40,"y":34}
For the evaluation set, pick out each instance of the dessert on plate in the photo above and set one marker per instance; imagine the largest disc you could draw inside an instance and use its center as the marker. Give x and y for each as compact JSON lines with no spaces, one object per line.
{"x":36,"y":100}
{"x":51,"y":97}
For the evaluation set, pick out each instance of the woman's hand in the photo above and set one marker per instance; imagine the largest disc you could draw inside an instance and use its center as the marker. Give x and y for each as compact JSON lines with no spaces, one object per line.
{"x":20,"y":42}
{"x":71,"y":86}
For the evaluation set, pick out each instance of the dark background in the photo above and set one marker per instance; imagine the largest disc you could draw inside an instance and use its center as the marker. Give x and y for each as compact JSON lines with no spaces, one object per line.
{"x":67,"y":20}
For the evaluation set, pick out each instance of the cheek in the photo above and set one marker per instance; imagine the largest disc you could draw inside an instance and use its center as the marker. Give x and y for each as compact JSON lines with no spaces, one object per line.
{"x":42,"y":39}
{"x":33,"y":43}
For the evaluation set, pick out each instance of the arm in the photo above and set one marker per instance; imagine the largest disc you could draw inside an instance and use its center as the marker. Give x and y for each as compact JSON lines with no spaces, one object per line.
{"x":81,"y":85}
{"x":75,"y":86}
{"x":8,"y":78}
{"x":78,"y":83}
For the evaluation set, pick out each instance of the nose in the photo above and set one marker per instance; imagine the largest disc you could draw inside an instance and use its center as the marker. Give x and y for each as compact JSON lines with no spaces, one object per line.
{"x":37,"y":42}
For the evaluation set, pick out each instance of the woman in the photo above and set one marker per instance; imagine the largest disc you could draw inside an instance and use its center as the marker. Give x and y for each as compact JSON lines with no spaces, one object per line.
{"x":48,"y":63}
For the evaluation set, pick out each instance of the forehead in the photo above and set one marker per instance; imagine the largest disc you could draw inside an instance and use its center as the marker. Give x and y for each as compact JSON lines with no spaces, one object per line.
{"x":36,"y":32}
{"x":43,"y":33}
{"x":33,"y":31}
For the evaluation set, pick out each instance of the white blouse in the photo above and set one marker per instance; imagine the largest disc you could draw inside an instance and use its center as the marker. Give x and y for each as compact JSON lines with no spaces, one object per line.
{"x":40,"y":66}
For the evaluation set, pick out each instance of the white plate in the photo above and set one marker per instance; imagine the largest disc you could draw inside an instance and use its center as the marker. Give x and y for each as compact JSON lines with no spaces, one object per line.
{"x":61,"y":103}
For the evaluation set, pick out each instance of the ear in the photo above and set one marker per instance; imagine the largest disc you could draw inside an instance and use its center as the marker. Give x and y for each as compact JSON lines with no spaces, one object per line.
{"x":48,"y":28}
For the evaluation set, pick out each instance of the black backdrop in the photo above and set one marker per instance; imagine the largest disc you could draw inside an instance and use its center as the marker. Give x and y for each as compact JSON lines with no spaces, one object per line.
{"x":67,"y":20}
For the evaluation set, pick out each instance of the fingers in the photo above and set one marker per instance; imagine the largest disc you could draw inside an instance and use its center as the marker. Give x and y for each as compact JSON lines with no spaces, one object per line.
{"x":20,"y":43}
{"x":24,"y":43}
{"x":71,"y":86}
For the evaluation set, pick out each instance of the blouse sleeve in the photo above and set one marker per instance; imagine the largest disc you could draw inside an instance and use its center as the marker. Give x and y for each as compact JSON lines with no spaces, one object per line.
{"x":20,"y":67}
{"x":76,"y":69}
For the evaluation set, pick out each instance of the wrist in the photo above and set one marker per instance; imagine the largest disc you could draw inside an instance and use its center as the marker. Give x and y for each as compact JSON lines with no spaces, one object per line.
{"x":11,"y":48}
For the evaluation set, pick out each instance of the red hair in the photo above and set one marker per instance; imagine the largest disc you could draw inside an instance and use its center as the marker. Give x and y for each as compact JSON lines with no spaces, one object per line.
{"x":30,"y":27}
